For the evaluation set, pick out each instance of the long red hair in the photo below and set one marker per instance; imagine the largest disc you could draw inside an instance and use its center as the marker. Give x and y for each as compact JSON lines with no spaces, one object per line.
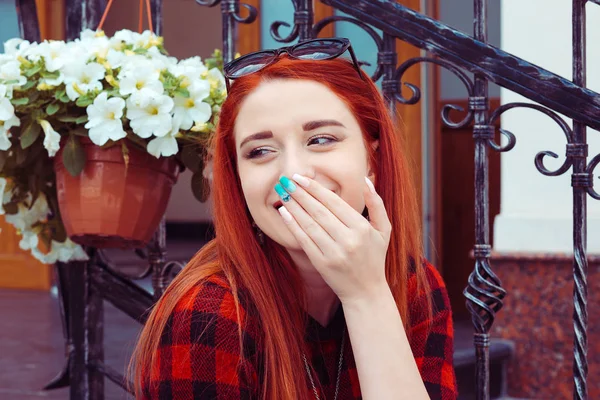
{"x":265,"y":272}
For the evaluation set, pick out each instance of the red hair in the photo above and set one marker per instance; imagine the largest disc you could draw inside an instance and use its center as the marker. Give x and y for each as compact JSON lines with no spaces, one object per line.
{"x":266,"y":272}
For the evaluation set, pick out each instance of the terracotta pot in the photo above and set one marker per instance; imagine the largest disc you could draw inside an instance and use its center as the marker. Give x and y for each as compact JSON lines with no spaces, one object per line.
{"x":109,"y":205}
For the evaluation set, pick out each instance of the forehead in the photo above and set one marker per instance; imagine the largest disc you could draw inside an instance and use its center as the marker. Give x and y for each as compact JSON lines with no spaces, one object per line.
{"x":282,"y":103}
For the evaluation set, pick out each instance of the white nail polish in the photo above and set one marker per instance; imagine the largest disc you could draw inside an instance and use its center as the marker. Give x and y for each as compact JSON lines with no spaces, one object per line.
{"x":370,"y":185}
{"x":285,"y":214}
{"x":302,"y":180}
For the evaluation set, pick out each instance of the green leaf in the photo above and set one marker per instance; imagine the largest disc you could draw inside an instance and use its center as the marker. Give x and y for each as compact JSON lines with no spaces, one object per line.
{"x":73,"y":156}
{"x":191,"y":158}
{"x":11,"y":208}
{"x":33,"y":70}
{"x":52,"y":108}
{"x":30,"y":134}
{"x":66,"y":118}
{"x":28,"y":85}
{"x":183,"y":92}
{"x":84,"y":101}
{"x":80,"y":131}
{"x":50,"y":75}
{"x":59,"y":234}
{"x":11,"y":82}
{"x":81,"y":120}
{"x":3,"y":157}
{"x":59,"y":93}
{"x":64,"y":98}
{"x":45,"y":238}
{"x":20,"y":102}
{"x":200,"y":187}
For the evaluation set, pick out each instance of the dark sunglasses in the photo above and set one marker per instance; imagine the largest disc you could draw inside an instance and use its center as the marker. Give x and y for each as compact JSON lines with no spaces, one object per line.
{"x":315,"y":49}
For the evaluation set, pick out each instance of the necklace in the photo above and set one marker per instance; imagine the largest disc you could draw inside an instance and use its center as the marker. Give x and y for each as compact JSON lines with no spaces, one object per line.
{"x":339,"y":372}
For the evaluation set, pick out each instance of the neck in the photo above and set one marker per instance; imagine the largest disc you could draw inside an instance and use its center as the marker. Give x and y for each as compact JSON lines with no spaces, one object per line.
{"x":321,"y":300}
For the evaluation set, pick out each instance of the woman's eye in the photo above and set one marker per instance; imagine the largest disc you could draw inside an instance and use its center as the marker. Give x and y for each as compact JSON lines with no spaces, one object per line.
{"x":261,"y":151}
{"x":321,"y":140}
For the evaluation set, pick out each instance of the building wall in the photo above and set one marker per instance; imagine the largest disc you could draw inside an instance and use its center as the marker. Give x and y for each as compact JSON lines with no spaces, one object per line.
{"x":536,"y":210}
{"x":459,"y":15}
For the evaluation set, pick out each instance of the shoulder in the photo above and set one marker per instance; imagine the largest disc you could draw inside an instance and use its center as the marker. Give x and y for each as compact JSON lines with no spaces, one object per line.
{"x":208,"y":348}
{"x":209,"y":309}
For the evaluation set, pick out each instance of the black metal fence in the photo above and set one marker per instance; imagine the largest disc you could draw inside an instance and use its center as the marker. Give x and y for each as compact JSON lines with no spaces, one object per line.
{"x":83,"y":287}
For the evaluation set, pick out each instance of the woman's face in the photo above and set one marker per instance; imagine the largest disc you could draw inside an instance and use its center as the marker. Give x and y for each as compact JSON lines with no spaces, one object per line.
{"x":297,"y":126}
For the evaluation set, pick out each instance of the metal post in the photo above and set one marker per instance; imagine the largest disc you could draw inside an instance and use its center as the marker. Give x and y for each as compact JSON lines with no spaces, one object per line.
{"x":87,"y":328}
{"x":82,"y":14}
{"x":581,"y":180}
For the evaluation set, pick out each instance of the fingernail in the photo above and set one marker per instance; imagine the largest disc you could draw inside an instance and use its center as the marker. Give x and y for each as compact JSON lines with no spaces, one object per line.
{"x":285,"y":214}
{"x":302,"y":180}
{"x":282,"y":193}
{"x":370,"y":185}
{"x":288,"y":184}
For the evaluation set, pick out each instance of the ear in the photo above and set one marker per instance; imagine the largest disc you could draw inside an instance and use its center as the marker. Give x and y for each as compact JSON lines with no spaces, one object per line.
{"x":371,"y":172}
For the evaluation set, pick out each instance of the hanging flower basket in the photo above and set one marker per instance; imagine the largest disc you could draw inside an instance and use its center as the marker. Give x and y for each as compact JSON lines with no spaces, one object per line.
{"x":114,"y":201}
{"x":93,"y":134}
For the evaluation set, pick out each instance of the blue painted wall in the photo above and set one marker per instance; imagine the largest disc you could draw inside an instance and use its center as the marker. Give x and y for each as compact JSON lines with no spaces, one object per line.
{"x":283,"y":10}
{"x":9,"y":28}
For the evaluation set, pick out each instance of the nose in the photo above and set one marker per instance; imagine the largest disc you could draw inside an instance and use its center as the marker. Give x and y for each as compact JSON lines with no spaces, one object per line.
{"x":296,"y":162}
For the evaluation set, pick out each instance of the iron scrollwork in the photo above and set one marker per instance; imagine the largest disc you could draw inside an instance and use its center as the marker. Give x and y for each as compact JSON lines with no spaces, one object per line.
{"x":416,"y":92}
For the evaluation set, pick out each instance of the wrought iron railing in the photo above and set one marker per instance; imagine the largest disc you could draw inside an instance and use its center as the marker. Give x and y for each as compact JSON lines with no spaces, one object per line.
{"x":82,"y":287}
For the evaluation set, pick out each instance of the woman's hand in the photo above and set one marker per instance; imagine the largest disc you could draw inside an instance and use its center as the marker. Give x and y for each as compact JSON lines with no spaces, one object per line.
{"x":346,"y":249}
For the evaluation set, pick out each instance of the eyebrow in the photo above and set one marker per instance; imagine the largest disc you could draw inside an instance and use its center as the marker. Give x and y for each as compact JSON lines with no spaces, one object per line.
{"x":308,"y":126}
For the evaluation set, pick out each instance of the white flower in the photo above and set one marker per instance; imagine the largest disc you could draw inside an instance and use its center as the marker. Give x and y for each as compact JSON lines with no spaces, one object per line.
{"x":81,"y":78}
{"x":11,"y":71}
{"x":160,"y":60}
{"x":192,"y":70}
{"x":78,"y":254}
{"x":4,"y":197}
{"x":104,"y":119}
{"x":51,"y":138}
{"x":41,"y":257}
{"x":115,"y":58}
{"x":5,"y":131}
{"x":63,"y":252}
{"x":54,"y":54}
{"x":93,"y":43}
{"x":7,"y":110}
{"x":165,"y":146}
{"x":143,"y":39}
{"x":125,"y":35}
{"x":145,"y":76}
{"x":29,"y":241}
{"x":215,"y":76}
{"x":11,"y":46}
{"x":26,"y":217}
{"x":193,"y":110}
{"x":149,"y":113}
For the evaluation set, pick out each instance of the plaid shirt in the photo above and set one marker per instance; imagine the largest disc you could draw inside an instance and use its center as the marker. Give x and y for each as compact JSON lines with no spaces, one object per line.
{"x":199,"y":355}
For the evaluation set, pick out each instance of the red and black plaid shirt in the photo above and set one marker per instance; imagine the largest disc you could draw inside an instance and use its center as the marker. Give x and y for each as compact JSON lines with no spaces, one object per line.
{"x":199,"y":355}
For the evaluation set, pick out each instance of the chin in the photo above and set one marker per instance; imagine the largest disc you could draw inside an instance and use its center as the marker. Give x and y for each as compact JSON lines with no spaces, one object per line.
{"x":286,"y":240}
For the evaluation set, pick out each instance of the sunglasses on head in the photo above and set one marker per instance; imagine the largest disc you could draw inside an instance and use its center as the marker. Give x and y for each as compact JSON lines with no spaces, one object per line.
{"x":316,"y":49}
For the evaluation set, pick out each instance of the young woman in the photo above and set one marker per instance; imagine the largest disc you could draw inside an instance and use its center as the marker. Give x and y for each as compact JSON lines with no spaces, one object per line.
{"x":315,"y":286}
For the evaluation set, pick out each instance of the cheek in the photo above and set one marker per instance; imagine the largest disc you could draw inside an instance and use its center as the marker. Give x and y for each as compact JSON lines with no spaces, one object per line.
{"x":254,"y":191}
{"x":350,"y":177}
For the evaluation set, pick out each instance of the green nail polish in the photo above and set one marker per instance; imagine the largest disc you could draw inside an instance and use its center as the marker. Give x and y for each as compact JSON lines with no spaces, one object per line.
{"x":282,"y":193}
{"x":288,"y":184}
